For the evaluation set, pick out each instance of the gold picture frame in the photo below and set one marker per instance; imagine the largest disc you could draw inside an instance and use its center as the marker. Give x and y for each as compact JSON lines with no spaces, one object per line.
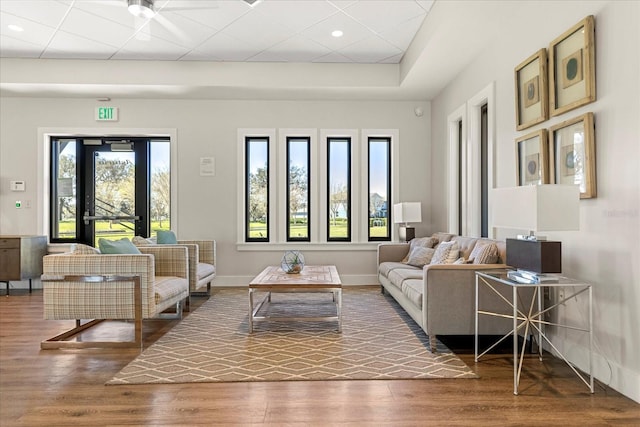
{"x":572,"y":68}
{"x":531,"y":89}
{"x":572,"y":155}
{"x":531,"y":159}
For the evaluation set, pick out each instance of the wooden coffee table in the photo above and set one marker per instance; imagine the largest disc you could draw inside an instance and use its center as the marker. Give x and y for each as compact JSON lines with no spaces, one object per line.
{"x":312,"y":278}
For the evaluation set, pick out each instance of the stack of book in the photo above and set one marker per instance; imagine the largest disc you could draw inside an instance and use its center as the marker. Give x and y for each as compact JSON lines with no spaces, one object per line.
{"x":522,"y":276}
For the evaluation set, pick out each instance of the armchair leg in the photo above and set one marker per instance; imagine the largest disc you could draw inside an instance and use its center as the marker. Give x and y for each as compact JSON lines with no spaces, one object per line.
{"x":172,"y":316}
{"x":206,"y":293}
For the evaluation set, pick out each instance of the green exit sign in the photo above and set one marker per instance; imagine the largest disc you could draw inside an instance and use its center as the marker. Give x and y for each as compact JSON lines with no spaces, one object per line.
{"x":109,"y":114}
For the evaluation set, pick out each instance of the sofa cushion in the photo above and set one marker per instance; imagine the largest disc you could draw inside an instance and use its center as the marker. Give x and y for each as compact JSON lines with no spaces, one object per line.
{"x":446,"y":253}
{"x":484,"y":254}
{"x":167,"y":287}
{"x":442,"y":237}
{"x":423,"y":242}
{"x":399,"y":275}
{"x":419,"y":256}
{"x":465,"y":245}
{"x":122,"y":246}
{"x":412,"y":289}
{"x":204,"y":270}
{"x":385,"y":267}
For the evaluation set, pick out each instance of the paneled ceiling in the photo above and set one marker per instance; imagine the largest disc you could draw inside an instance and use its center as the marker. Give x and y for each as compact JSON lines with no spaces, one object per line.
{"x":373,"y":31}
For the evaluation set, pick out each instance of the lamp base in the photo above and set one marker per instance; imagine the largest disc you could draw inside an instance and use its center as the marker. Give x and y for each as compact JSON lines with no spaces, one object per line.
{"x":535,"y":256}
{"x":405,"y":234}
{"x":524,"y":276}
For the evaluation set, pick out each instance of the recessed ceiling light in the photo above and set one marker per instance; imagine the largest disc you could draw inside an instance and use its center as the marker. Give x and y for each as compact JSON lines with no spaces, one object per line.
{"x":14,"y":27}
{"x":337,"y":33}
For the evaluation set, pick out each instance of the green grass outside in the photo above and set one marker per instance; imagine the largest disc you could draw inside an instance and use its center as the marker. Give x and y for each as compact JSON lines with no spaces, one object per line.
{"x":104,"y":230}
{"x":259,"y":229}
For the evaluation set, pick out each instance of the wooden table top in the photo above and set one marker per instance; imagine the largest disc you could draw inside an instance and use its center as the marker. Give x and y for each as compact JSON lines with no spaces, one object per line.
{"x":311,"y":276}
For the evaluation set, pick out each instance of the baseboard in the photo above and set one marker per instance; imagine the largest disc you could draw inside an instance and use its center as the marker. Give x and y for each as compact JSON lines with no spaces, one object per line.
{"x":605,"y":371}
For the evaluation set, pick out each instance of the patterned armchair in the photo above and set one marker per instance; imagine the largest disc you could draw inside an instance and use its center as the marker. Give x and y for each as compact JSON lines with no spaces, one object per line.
{"x":202,"y":262}
{"x":89,"y":285}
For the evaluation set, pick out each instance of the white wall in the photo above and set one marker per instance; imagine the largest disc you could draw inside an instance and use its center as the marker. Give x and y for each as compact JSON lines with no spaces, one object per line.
{"x":606,"y":250}
{"x":207,"y":205}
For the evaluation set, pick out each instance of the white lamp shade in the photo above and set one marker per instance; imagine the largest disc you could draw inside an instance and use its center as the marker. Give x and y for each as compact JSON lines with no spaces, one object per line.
{"x":550,"y":207}
{"x":407,"y":212}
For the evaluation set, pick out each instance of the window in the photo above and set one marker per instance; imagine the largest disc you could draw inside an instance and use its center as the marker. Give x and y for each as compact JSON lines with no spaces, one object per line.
{"x":298,"y":194}
{"x":309,"y":187}
{"x":257,"y":189}
{"x":339,"y":189}
{"x":379,"y":188}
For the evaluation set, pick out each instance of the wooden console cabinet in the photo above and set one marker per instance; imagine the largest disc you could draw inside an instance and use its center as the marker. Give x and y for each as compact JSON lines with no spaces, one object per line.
{"x":21,"y":258}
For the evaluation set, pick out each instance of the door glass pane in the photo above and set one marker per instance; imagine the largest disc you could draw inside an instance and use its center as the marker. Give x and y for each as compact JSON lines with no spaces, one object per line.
{"x":160,"y":186}
{"x":64,"y":224}
{"x":114,"y":194}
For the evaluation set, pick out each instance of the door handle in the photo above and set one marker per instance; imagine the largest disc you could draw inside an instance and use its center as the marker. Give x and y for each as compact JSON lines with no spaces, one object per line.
{"x":88,"y":218}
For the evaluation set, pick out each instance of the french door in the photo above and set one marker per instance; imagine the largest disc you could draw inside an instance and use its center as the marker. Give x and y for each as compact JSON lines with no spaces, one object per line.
{"x":108,"y":188}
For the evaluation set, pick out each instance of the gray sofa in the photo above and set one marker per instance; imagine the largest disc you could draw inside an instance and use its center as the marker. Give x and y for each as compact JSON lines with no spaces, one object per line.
{"x":441,"y":298}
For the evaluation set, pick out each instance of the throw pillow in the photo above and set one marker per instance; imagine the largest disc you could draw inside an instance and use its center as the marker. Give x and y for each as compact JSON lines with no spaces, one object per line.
{"x":484,"y":254}
{"x":460,"y":260}
{"x":419,"y":256}
{"x":80,"y":249}
{"x":166,"y":237}
{"x":446,"y":253}
{"x":424,"y":242}
{"x":141,"y":241}
{"x":122,"y":246}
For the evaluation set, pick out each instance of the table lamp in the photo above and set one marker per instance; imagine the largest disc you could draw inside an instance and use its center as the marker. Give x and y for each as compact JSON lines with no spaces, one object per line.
{"x":404,"y":213}
{"x":535,"y":208}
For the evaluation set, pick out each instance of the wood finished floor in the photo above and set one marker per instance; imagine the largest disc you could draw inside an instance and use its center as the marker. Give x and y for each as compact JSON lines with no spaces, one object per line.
{"x":66,"y":388}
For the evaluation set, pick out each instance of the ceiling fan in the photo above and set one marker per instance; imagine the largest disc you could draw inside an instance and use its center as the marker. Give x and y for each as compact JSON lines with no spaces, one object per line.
{"x":145,"y":11}
{"x":146,"y":8}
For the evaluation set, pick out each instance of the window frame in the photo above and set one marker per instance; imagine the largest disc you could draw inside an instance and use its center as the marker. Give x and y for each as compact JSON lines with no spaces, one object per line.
{"x":247,"y":183}
{"x":289,"y":238}
{"x":390,"y":193}
{"x":348,"y":140}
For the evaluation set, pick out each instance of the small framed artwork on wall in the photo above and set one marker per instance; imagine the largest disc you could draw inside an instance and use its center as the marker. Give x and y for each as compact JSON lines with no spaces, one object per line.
{"x":572,"y":155}
{"x":531,"y":90}
{"x":572,"y":67}
{"x":531,"y":159}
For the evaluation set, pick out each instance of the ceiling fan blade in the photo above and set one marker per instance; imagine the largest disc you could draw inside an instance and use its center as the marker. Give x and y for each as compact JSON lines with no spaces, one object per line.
{"x":182,"y":5}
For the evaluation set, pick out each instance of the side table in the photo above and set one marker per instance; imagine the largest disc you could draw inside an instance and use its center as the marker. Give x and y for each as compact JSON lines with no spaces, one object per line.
{"x":530,"y":319}
{"x":21,"y":258}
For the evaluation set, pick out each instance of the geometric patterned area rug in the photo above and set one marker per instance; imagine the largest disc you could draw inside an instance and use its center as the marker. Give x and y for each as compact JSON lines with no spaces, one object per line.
{"x":212,"y":344}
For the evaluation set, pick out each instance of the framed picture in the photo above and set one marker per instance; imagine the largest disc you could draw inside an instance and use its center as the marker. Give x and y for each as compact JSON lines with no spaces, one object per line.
{"x":531,"y":90}
{"x":572,"y":155}
{"x":531,"y":159}
{"x":572,"y":67}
